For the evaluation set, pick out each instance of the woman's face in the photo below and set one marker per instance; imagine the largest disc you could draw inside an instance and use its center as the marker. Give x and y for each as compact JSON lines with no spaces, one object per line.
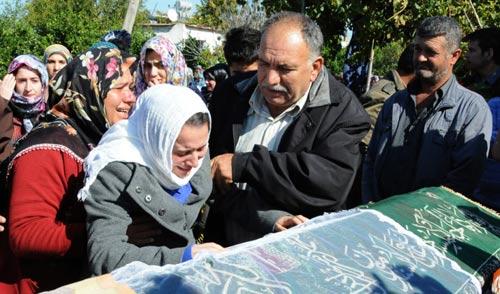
{"x":189,"y":148}
{"x":120,"y":100}
{"x":210,"y":85}
{"x":54,"y":64}
{"x":28,"y":83}
{"x":154,"y":72}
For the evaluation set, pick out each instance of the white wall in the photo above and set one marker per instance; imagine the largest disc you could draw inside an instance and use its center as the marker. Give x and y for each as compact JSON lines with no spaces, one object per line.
{"x":179,"y":32}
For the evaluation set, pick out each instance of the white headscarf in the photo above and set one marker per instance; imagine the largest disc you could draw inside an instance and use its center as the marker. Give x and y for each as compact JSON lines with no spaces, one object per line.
{"x":148,"y":136}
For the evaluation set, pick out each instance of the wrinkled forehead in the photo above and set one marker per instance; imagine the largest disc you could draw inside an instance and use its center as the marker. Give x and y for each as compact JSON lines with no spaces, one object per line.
{"x":435,"y":42}
{"x":57,"y":56}
{"x":26,"y":70}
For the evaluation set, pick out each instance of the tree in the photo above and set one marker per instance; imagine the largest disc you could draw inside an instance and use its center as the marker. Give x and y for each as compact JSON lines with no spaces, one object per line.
{"x":17,"y":36}
{"x":211,"y":13}
{"x":385,"y":21}
{"x":77,"y":24}
{"x":197,"y":53}
{"x":250,"y":14}
{"x":223,"y":15}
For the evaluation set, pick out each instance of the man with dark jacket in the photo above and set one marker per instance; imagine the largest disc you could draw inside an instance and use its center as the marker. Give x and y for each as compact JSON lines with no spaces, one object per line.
{"x":289,"y":143}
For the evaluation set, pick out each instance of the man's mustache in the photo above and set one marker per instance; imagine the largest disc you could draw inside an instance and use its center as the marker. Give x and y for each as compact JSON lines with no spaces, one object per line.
{"x":275,"y":88}
{"x":423,"y":66}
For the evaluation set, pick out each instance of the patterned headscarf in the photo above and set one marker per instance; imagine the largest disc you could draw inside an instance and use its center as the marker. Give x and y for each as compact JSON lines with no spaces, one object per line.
{"x":59,"y":49}
{"x":21,"y":106}
{"x":79,"y":90}
{"x":171,"y":58}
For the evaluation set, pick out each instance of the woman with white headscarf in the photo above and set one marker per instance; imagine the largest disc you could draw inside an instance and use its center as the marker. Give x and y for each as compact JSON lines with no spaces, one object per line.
{"x":151,"y":171}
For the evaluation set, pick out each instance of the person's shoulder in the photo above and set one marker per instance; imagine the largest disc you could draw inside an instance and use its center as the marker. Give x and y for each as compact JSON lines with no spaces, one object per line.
{"x":49,"y":138}
{"x":494,"y":103}
{"x":327,"y":86}
{"x":380,"y":91}
{"x":468,"y":96}
{"x":234,"y":89}
{"x":122,"y":170}
{"x":53,"y":134}
{"x":115,"y":175}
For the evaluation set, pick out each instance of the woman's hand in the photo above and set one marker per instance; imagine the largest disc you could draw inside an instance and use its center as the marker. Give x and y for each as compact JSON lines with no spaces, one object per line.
{"x":7,"y":86}
{"x":288,"y":221}
{"x":210,"y":247}
{"x":3,"y":220}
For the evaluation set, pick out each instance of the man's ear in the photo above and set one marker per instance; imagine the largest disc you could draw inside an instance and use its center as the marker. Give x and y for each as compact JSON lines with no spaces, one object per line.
{"x":489,"y":53}
{"x":316,"y":67}
{"x":455,"y":55}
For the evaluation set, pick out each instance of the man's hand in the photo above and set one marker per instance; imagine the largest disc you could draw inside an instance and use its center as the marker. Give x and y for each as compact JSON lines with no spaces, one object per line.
{"x":222,"y":172}
{"x":153,"y":82}
{"x":7,"y":86}
{"x":3,"y":220}
{"x":288,"y":221}
{"x":210,"y":247}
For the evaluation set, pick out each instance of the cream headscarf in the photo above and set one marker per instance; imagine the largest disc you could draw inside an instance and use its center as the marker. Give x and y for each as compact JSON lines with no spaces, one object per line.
{"x":148,"y":136}
{"x":59,"y":49}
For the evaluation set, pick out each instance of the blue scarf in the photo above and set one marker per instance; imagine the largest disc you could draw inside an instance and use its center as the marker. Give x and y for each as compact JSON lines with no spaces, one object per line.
{"x":181,"y":194}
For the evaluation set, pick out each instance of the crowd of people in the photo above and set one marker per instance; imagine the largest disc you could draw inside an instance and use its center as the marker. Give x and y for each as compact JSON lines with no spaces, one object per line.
{"x":108,"y":158}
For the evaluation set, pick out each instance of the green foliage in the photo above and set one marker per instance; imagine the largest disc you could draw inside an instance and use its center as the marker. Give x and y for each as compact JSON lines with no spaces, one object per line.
{"x":197,"y":53}
{"x":385,"y":21}
{"x":208,"y":58}
{"x":12,"y":28}
{"x":211,"y":13}
{"x":139,"y":36}
{"x":30,"y":27}
{"x":334,"y":60}
{"x":386,"y":57}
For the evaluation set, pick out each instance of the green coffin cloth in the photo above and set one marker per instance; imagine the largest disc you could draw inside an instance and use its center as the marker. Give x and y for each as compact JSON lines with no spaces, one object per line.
{"x":462,"y":229}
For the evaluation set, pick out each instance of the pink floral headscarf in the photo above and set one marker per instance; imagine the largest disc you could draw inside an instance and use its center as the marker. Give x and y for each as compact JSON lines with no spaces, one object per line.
{"x":171,"y":58}
{"x":81,"y":87}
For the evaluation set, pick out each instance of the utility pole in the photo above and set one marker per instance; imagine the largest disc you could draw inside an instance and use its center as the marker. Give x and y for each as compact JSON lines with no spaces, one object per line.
{"x":370,"y":67}
{"x":128,"y":23}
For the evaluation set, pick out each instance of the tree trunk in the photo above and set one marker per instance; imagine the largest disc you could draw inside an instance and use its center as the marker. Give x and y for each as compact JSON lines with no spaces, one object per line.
{"x":128,"y":23}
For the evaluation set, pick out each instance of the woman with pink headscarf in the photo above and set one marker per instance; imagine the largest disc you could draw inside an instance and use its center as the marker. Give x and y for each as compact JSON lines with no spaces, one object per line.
{"x":22,"y":93}
{"x":160,"y":63}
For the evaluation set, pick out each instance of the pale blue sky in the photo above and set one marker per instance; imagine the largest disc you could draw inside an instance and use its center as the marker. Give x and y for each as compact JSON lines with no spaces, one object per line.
{"x":163,"y":5}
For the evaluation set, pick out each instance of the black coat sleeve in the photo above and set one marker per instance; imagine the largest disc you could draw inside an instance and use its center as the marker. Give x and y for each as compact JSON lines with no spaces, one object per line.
{"x":6,"y":129}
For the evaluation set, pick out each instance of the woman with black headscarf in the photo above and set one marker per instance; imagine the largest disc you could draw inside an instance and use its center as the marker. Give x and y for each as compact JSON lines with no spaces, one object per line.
{"x":213,"y":76}
{"x":46,"y":228}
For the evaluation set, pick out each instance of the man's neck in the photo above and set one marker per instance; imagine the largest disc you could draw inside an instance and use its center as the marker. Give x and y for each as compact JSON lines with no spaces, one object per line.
{"x":275,"y":111}
{"x":427,"y":90}
{"x":237,"y":68}
{"x":406,"y":78}
{"x":487,"y":70}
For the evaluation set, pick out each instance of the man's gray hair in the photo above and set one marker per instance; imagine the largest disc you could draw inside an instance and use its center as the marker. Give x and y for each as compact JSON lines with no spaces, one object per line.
{"x":448,"y":27}
{"x":310,"y":30}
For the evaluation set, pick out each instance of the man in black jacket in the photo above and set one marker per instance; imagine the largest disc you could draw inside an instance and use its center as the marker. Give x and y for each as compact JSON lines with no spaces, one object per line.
{"x":289,"y":143}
